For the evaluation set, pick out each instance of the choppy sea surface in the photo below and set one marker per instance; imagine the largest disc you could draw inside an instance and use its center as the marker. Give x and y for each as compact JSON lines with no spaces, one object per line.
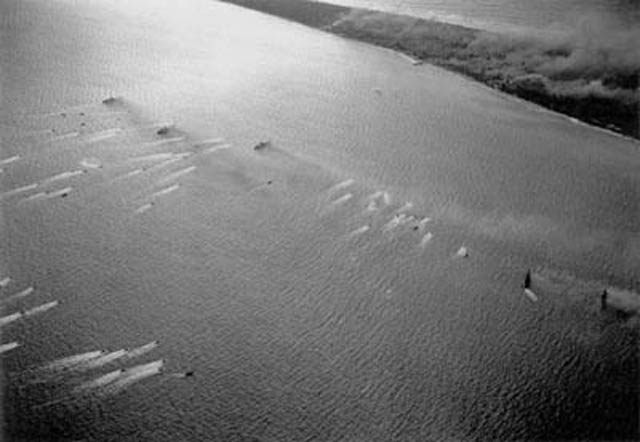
{"x":357,"y":280}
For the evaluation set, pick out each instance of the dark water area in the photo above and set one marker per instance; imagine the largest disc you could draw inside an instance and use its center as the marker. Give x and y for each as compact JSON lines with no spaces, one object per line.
{"x":315,"y":289}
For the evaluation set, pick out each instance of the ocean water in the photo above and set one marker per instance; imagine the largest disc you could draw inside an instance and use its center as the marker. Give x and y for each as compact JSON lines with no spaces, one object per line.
{"x":313,"y":289}
{"x":511,"y":15}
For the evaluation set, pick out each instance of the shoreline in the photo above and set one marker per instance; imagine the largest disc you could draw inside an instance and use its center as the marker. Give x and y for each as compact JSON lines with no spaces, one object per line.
{"x":608,"y":100}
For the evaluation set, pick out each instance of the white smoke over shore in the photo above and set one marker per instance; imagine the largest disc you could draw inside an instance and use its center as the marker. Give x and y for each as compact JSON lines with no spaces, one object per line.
{"x":599,"y":56}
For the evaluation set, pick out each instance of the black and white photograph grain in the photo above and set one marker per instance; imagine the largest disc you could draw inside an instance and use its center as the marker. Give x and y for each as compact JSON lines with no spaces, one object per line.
{"x":319,"y":220}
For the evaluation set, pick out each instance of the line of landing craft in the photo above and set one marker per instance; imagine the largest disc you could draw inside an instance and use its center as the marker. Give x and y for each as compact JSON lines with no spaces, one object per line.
{"x":83,"y":362}
{"x":376,"y":201}
{"x":5,"y":320}
{"x":381,"y":198}
{"x":205,"y":146}
{"x":111,"y":383}
{"x":27,"y":313}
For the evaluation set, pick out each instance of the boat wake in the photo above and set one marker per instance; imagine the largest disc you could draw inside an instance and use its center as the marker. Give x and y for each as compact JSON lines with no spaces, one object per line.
{"x":177,"y":174}
{"x":531,"y":295}
{"x":10,"y":318}
{"x":63,"y":176}
{"x":98,"y":382}
{"x":426,"y":239}
{"x":101,"y":360}
{"x":9,"y":160}
{"x":19,"y":295}
{"x":343,"y":199}
{"x":359,"y":231}
{"x":4,"y":348}
{"x":19,"y":190}
{"x":143,"y":208}
{"x":41,"y":308}
{"x":165,"y":191}
{"x":133,"y":375}
{"x":69,"y":362}
{"x":342,"y":185}
{"x":143,"y":349}
{"x":91,"y":163}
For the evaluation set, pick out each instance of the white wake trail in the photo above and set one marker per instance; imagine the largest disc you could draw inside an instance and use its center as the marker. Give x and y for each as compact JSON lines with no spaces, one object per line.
{"x":216,"y":148}
{"x":66,"y":136}
{"x":104,"y":359}
{"x":71,"y":361}
{"x":209,"y":141}
{"x":34,"y":197}
{"x":10,"y":160}
{"x":63,"y":176}
{"x":342,"y":185}
{"x":10,"y":318}
{"x":360,"y":230}
{"x":343,"y":199}
{"x":165,"y":191}
{"x":423,"y":222}
{"x":98,"y":382}
{"x":143,"y":208}
{"x":143,"y":349}
{"x":91,"y":163}
{"x":532,"y":296}
{"x":396,"y":221}
{"x":134,"y":374}
{"x":162,"y":142}
{"x":8,"y":347}
{"x":18,"y":190}
{"x":41,"y":308}
{"x":104,"y":135}
{"x":20,"y":294}
{"x":426,"y":239}
{"x":177,"y":174}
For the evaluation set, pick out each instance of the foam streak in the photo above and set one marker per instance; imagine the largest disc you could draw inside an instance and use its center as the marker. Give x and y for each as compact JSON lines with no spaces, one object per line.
{"x":71,"y":361}
{"x":8,"y":347}
{"x":41,"y":308}
{"x":133,"y":375}
{"x":20,"y":294}
{"x":10,"y":318}
{"x":165,"y":191}
{"x":9,"y":160}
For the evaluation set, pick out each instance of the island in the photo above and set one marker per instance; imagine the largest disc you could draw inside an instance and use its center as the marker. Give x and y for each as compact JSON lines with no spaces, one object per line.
{"x":593,"y":80}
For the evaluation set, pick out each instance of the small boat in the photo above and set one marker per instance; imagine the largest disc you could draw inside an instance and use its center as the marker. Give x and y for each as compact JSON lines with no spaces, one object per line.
{"x":527,"y":280}
{"x":603,"y":299}
{"x":109,"y":100}
{"x":163,"y":130}
{"x":262,"y":145}
{"x":463,"y":252}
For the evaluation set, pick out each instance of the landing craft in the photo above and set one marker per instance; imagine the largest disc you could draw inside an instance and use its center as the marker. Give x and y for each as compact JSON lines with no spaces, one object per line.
{"x":262,"y":145}
{"x":527,"y":280}
{"x":163,"y":130}
{"x":463,"y":252}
